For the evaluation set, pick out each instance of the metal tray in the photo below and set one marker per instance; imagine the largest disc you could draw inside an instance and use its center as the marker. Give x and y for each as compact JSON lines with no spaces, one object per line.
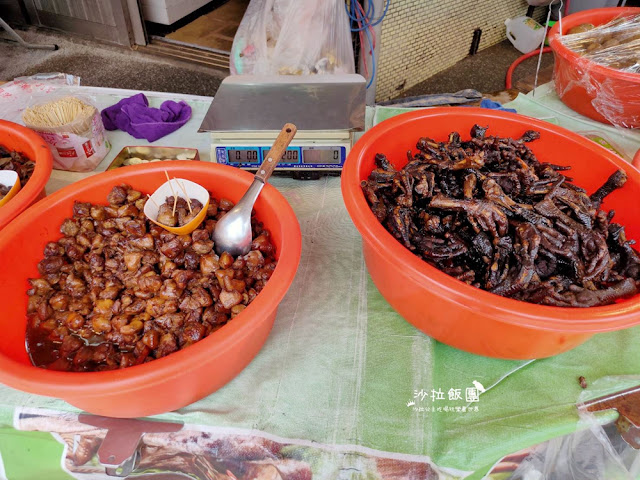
{"x":151,"y":153}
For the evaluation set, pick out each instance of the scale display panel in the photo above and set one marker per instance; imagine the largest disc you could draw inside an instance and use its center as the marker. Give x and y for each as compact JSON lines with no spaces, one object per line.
{"x":316,"y":157}
{"x":323,"y":156}
{"x":239,"y":156}
{"x":290,"y":158}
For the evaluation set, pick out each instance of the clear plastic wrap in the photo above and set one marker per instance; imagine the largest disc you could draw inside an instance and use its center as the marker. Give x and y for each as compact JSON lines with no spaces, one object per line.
{"x":18,"y":94}
{"x":77,"y":139}
{"x":587,"y":455}
{"x":293,"y":37}
{"x":598,"y":90}
{"x":615,"y":44}
{"x":595,"y":452}
{"x":79,"y":146}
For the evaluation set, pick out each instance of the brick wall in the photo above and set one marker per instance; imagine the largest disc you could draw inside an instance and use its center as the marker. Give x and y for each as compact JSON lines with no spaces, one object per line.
{"x":423,"y":37}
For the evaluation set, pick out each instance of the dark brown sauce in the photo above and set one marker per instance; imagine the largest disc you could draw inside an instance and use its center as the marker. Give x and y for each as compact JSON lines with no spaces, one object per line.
{"x":42,"y":351}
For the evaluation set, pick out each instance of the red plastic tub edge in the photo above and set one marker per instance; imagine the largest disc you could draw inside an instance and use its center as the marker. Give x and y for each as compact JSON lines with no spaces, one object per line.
{"x":576,"y":97}
{"x":23,"y":139}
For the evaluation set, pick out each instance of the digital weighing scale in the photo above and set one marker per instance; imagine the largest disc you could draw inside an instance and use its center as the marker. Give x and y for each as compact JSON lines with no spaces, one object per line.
{"x":248,"y":112}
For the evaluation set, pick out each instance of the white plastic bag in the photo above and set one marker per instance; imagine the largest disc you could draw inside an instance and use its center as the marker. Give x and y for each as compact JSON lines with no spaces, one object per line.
{"x":293,"y":37}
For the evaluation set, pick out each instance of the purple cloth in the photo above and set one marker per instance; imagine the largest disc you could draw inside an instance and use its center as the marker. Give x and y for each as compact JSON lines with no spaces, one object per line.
{"x":136,"y":117}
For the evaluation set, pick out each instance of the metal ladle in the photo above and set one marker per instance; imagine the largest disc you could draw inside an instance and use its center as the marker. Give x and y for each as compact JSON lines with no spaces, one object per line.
{"x":232,"y":233}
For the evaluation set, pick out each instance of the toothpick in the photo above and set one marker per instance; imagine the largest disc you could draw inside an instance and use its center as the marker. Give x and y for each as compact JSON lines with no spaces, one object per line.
{"x":186,"y":195}
{"x":175,"y":197}
{"x":153,"y":201}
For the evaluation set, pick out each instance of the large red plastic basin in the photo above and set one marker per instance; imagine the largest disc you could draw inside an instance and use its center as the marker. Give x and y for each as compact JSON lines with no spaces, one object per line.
{"x":449,"y":310}
{"x":170,"y":382}
{"x":24,"y":140}
{"x":596,"y":91}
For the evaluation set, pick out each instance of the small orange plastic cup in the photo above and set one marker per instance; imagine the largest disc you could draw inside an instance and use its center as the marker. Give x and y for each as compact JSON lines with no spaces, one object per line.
{"x":451,"y":311}
{"x":9,"y":177}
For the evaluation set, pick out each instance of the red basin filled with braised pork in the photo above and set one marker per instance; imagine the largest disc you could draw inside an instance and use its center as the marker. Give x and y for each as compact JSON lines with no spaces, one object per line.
{"x":172,"y":380}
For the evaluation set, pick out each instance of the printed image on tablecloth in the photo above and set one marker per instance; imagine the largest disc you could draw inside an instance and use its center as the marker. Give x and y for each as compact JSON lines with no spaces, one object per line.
{"x":205,"y":453}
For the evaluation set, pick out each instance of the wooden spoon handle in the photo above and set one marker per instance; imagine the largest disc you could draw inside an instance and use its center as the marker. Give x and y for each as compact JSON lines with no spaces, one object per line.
{"x":276,"y":152}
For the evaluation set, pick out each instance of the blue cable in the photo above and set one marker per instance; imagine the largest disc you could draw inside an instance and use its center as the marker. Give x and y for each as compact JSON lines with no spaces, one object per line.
{"x":370,"y":9}
{"x":351,"y":16}
{"x":384,"y":12}
{"x":367,"y":22}
{"x":355,"y":12}
{"x":355,"y":16}
{"x":354,"y":19}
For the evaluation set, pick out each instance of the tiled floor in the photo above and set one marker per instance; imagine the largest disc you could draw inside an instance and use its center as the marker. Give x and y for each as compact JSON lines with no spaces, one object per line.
{"x":101,"y":65}
{"x":108,"y":66}
{"x":486,"y":72}
{"x":215,"y":29}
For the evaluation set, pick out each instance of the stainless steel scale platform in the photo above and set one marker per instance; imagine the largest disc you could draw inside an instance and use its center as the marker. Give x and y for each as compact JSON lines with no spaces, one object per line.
{"x":248,"y":112}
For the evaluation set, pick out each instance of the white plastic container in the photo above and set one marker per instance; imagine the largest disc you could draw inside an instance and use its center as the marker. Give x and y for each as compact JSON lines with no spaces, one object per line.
{"x":524,"y":33}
